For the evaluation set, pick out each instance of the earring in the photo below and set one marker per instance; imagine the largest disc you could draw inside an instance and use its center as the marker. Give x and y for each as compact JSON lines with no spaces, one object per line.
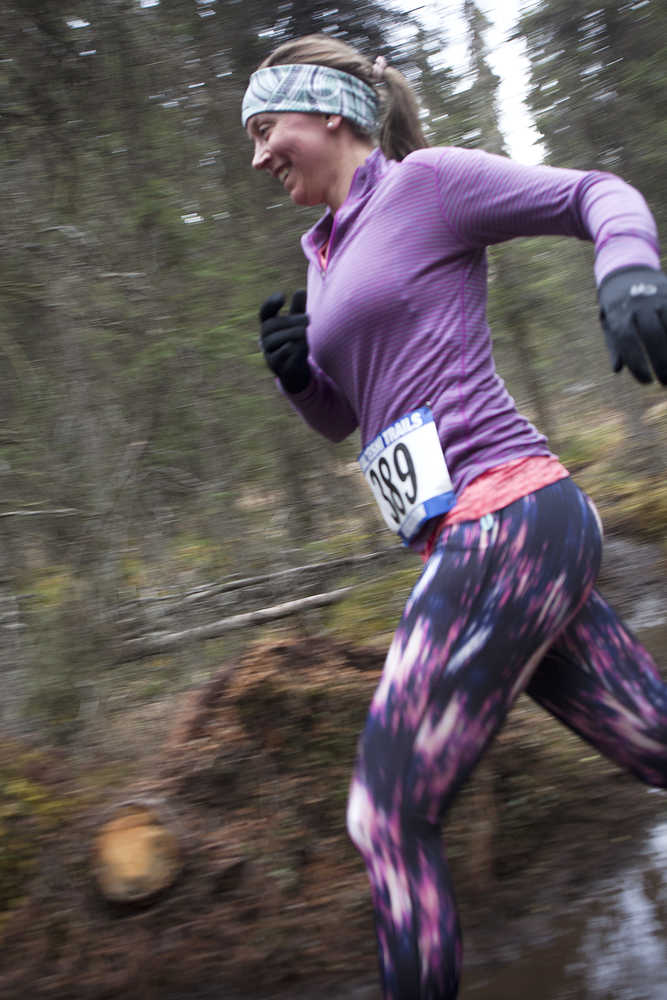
{"x":330,"y":124}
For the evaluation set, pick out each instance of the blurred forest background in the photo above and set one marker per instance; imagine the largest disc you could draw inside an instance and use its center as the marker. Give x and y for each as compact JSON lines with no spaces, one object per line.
{"x":145,"y":455}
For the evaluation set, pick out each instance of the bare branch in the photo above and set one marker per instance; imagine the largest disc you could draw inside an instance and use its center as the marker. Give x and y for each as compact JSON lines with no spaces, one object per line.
{"x":153,"y":645}
{"x":58,"y":512}
{"x":202,"y":593}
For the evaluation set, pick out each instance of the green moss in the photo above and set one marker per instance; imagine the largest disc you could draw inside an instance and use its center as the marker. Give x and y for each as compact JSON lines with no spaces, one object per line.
{"x":645,"y":505}
{"x":29,"y":811}
{"x":633,"y":505}
{"x":373,"y":609}
{"x":69,"y":649}
{"x":155,"y":687}
{"x":584,"y":447}
{"x":133,"y":572}
{"x":631,"y":498}
{"x":343,"y":543}
{"x":194,"y":552}
{"x":52,"y":587}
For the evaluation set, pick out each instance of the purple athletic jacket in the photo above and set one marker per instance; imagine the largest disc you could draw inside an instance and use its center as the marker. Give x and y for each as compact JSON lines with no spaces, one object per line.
{"x":398,"y":318}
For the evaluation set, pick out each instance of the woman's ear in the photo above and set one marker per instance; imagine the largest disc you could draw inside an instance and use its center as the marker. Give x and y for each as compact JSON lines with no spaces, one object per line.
{"x":333,"y":121}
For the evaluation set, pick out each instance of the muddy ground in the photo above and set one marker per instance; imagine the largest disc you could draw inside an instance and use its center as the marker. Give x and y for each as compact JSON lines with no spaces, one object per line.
{"x":272,"y":900}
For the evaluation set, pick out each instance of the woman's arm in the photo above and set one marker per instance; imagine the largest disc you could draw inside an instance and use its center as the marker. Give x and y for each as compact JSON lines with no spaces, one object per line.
{"x":324,"y":407}
{"x":487,"y":199}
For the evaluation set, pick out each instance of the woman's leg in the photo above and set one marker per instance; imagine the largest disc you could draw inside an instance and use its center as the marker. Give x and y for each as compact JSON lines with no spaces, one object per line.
{"x":599,"y":680}
{"x":488,"y":604}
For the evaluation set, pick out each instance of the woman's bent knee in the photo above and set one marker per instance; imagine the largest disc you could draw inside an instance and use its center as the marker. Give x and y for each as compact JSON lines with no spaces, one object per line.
{"x":359,"y":810}
{"x":360,"y":814}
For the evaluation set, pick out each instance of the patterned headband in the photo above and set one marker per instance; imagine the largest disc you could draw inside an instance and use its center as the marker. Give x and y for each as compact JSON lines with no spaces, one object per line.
{"x":305,"y":87}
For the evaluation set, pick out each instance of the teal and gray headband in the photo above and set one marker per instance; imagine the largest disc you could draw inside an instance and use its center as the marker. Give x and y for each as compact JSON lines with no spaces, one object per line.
{"x":305,"y":87}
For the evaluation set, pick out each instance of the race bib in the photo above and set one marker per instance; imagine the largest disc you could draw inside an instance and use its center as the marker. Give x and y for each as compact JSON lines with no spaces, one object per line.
{"x":406,"y":470}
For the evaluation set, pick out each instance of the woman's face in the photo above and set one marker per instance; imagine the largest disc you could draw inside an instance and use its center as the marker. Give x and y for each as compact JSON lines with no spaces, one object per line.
{"x":296,"y":149}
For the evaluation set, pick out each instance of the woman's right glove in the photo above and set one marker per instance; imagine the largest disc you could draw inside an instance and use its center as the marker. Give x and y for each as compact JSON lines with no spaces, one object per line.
{"x":283,"y":340}
{"x":633,"y":312}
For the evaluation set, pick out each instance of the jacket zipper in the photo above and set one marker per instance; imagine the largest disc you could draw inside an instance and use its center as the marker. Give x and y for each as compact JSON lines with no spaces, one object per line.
{"x":324,"y":269}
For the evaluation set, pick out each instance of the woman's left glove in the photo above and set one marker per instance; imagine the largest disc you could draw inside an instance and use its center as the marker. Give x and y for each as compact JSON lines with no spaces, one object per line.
{"x":633,"y":313}
{"x":284,"y":342}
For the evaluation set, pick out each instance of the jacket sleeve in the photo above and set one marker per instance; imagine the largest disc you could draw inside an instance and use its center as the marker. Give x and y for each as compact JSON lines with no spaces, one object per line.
{"x":487,"y":199}
{"x":324,"y":407}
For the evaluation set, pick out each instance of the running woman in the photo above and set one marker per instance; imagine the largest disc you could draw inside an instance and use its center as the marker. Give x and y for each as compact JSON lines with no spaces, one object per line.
{"x":395,"y":342}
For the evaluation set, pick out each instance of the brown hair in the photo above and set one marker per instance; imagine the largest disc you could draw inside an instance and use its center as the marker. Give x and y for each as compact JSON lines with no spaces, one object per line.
{"x":400,"y":127}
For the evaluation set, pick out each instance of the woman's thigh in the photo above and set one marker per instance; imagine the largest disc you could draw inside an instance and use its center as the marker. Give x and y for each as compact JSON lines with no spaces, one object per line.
{"x":492,"y":598}
{"x":600,"y":681}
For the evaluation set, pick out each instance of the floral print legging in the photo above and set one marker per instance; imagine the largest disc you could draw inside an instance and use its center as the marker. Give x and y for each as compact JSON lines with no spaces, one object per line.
{"x":503,"y":605}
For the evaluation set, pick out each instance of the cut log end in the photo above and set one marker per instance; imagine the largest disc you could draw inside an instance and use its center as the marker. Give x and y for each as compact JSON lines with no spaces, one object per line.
{"x":136,"y":853}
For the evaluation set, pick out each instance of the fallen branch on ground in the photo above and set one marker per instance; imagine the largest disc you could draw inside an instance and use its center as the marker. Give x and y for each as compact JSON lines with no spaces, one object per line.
{"x":168,"y":642}
{"x":58,"y":512}
{"x":211,"y":590}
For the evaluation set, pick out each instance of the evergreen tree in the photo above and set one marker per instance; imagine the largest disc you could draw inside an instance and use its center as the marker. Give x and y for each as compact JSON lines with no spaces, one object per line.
{"x":598,"y":92}
{"x":484,"y":130}
{"x":445,"y":103}
{"x":515,"y":279}
{"x":599,"y":89}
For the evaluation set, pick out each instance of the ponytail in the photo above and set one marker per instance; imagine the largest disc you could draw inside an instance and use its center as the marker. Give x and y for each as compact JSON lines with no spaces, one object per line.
{"x":400,"y":130}
{"x":400,"y":126}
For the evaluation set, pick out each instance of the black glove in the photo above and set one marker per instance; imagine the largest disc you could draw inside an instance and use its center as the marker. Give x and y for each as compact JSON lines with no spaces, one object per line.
{"x":283,"y":340}
{"x":633,"y":313}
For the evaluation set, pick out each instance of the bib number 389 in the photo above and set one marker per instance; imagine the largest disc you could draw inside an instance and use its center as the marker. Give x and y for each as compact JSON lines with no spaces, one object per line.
{"x":406,"y":470}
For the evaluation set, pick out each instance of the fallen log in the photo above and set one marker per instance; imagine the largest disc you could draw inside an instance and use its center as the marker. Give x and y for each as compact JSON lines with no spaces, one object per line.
{"x":57,"y":512}
{"x":213,"y":589}
{"x":167,"y":642}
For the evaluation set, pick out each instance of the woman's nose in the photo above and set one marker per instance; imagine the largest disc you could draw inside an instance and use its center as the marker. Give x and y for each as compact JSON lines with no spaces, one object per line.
{"x":260,"y":156}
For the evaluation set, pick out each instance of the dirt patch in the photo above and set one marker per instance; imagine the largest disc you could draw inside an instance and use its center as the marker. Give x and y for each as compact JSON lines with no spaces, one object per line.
{"x":273,"y":899}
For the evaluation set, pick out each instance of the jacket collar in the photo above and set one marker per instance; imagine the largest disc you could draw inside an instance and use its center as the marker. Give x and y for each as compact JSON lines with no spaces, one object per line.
{"x":364,"y":181}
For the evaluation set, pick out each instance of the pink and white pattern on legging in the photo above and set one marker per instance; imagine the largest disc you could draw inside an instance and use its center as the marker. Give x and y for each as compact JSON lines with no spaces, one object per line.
{"x":599,"y":680}
{"x":494,"y":597}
